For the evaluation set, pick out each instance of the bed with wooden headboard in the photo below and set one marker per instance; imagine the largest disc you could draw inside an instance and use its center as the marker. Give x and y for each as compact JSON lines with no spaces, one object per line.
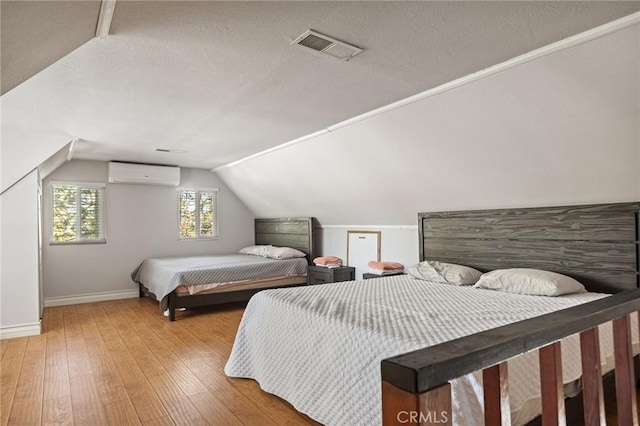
{"x":340,"y":334}
{"x":596,"y":244}
{"x":294,"y":232}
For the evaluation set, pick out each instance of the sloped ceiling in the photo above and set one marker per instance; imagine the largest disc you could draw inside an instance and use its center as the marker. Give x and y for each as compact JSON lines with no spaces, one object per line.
{"x":221,"y":81}
{"x":562,"y":129}
{"x":35,"y":34}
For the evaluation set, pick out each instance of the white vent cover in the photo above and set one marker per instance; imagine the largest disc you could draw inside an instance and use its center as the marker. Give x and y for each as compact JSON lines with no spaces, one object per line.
{"x":324,"y":44}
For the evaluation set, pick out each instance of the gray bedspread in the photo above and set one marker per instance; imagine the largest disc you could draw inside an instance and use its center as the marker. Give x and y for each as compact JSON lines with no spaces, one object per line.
{"x":162,"y":275}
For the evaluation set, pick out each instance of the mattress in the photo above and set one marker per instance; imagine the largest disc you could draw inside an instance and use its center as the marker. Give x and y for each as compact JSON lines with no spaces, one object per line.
{"x":320,"y":347}
{"x":189,"y":290}
{"x":163,"y":275}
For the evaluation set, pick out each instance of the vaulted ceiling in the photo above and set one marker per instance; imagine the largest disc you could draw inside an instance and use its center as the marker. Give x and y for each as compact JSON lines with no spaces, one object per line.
{"x":221,"y":81}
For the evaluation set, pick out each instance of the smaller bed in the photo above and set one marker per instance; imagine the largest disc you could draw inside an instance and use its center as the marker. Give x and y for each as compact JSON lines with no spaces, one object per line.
{"x":186,"y":282}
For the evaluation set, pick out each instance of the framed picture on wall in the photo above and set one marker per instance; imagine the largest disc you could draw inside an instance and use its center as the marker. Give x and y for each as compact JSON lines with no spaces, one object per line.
{"x":362,"y":247}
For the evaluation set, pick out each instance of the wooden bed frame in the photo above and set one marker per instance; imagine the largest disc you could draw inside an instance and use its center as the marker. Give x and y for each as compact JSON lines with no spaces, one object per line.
{"x":295,"y":232}
{"x":596,"y":244}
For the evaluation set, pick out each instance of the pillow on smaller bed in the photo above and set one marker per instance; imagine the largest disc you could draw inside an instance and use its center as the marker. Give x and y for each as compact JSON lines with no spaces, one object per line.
{"x":284,"y":253}
{"x":261,"y":250}
{"x":442,"y":272}
{"x":533,"y":282}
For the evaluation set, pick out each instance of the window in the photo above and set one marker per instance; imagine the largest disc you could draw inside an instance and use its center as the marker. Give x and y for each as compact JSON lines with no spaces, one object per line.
{"x":77,"y":213}
{"x":198,"y":213}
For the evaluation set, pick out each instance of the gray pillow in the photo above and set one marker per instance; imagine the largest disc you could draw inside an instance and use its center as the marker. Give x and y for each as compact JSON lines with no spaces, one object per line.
{"x":442,"y":272}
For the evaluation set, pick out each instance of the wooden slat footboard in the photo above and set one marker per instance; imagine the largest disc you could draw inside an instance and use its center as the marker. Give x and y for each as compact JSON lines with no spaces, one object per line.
{"x":417,"y":383}
{"x":496,"y":395}
{"x":593,"y":395}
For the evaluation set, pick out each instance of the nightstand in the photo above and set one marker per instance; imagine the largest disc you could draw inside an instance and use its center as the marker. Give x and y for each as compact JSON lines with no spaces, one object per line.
{"x":368,"y":275}
{"x":322,"y":275}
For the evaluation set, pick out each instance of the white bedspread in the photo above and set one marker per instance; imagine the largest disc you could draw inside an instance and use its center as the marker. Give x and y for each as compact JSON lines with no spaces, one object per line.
{"x":320,"y":347}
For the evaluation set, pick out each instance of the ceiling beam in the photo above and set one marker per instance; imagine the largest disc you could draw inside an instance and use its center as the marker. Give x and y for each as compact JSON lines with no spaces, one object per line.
{"x":104,"y":18}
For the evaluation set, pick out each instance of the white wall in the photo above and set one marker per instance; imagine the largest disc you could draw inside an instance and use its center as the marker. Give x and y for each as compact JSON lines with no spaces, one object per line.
{"x":561,"y":129}
{"x":21,"y":152}
{"x":141,"y":221}
{"x":397,"y":243}
{"x":19,"y":295}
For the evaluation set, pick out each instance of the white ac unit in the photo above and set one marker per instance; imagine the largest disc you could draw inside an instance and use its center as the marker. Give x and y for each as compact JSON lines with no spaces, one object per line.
{"x":143,"y":174}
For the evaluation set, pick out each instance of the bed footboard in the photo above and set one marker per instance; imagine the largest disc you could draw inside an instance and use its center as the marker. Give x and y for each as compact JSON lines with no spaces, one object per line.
{"x":416,"y":389}
{"x":197,"y":300}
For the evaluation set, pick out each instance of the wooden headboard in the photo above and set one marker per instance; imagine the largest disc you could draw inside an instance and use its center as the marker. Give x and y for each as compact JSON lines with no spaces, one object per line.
{"x":295,"y":232}
{"x":595,"y":244}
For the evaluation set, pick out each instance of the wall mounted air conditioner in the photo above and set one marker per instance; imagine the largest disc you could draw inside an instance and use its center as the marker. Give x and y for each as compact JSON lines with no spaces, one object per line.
{"x":143,"y":174}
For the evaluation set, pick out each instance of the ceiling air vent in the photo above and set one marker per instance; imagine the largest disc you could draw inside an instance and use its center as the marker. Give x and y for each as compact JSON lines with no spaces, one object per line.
{"x":324,"y":44}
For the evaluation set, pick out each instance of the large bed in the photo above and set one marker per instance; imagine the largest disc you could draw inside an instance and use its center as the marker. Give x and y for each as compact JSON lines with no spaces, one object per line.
{"x":186,"y":282}
{"x":320,"y":348}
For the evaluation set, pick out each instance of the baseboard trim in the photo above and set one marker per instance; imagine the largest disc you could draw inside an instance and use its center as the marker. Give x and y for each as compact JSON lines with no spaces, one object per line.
{"x":90,"y":298}
{"x":23,"y":330}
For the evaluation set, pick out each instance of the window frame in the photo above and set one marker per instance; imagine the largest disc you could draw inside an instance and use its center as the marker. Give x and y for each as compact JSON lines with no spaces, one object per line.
{"x":79,"y":186}
{"x":216,"y":220}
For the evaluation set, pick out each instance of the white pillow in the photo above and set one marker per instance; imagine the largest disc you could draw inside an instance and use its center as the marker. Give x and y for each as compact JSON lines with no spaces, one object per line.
{"x":261,"y":250}
{"x":284,"y":253}
{"x":533,"y":282}
{"x":442,"y":272}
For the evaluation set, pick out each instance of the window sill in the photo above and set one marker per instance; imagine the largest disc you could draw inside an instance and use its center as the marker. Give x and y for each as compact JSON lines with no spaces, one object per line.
{"x":76,"y":242}
{"x":198,"y":239}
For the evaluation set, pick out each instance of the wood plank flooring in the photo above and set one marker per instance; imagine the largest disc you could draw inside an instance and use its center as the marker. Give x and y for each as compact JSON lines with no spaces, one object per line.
{"x":123,"y":363}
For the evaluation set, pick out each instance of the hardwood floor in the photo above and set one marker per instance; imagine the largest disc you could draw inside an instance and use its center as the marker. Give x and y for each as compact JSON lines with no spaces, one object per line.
{"x":123,"y":363}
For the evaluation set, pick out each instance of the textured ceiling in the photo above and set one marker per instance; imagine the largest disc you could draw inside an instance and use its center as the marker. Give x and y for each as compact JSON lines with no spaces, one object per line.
{"x":220,"y":80}
{"x":35,"y":34}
